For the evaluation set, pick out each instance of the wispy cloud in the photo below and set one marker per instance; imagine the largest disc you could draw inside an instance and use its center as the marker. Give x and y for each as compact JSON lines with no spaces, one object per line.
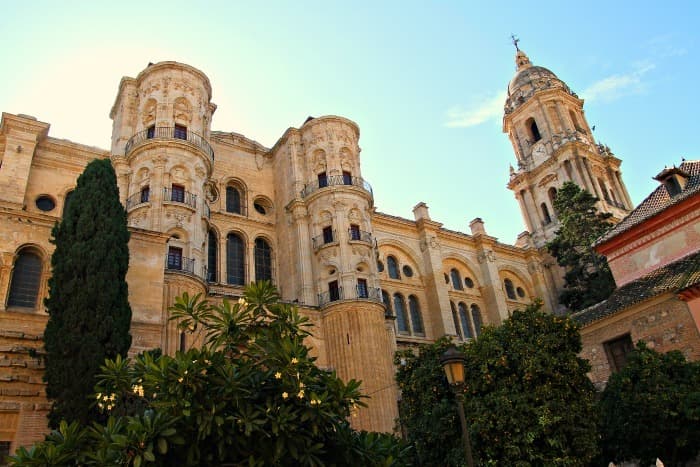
{"x":490,"y":108}
{"x":616,"y":86}
{"x":663,"y":47}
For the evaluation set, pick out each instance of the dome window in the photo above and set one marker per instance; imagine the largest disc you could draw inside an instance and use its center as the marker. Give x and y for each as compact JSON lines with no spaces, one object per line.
{"x":534,"y":131}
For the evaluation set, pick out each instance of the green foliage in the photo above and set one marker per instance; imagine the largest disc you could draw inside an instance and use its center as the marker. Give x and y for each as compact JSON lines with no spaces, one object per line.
{"x":427,"y":412}
{"x":251,"y":395}
{"x":528,"y":400}
{"x":588,"y":277}
{"x":89,"y":313}
{"x":651,"y":408}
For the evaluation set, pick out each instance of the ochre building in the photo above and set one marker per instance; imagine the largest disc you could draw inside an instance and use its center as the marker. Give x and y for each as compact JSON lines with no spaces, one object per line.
{"x":210,"y":211}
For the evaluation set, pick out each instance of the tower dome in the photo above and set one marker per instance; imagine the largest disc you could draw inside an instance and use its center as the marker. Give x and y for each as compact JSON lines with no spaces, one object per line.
{"x":528,"y":80}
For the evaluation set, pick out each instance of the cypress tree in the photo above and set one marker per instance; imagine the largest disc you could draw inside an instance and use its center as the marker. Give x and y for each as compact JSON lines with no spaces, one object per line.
{"x":89,"y":312}
{"x":588,"y":279}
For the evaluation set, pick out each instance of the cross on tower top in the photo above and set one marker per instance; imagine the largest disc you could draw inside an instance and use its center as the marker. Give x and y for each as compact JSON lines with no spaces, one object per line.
{"x":515,"y":42}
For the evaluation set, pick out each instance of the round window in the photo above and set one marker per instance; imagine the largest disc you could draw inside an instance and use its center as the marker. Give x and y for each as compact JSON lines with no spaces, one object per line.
{"x":260,"y":208}
{"x":45,"y":203}
{"x":407,"y":271}
{"x":520,"y":292}
{"x":380,"y":266}
{"x":469,"y":282}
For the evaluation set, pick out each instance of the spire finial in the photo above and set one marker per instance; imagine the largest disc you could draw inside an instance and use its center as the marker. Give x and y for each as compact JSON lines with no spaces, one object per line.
{"x":515,"y":42}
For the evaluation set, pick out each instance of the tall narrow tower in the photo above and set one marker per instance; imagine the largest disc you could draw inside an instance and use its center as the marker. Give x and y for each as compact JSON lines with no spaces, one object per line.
{"x":553,"y":144}
{"x":330,"y":215}
{"x":161,"y":124}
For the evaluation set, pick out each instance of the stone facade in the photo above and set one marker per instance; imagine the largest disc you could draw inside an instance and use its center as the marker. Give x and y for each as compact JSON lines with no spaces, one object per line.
{"x":210,"y":211}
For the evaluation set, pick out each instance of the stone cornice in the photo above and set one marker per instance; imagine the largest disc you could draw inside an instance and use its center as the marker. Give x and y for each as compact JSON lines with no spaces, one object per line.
{"x":117,"y":100}
{"x":238,"y":141}
{"x":19,"y":126}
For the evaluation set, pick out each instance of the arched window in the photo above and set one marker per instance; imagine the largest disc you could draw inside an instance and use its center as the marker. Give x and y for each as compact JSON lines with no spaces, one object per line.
{"x":263,"y":260}
{"x":545,"y":213}
{"x":534,"y":131}
{"x":233,"y":200}
{"x":416,"y":318}
{"x":26,"y":279}
{"x":552,"y":192}
{"x":393,"y":267}
{"x":456,"y":279}
{"x":464,"y":319}
{"x":510,"y":290}
{"x":476,"y":319}
{"x":235,"y":260}
{"x":212,"y":255}
{"x":400,"y":310}
{"x":455,"y":319}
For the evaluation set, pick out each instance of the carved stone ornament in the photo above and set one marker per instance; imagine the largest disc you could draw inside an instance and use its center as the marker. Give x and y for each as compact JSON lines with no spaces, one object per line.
{"x":211,"y":192}
{"x":485,"y":256}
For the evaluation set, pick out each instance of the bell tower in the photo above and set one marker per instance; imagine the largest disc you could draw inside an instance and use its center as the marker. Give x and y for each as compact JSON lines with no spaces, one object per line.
{"x":553,"y":144}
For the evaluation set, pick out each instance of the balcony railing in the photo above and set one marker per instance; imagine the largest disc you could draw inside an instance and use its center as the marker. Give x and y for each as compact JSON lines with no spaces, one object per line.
{"x":617,"y":204}
{"x":373,"y":294}
{"x":330,"y":296}
{"x":186,"y":265}
{"x":324,"y":239}
{"x":170,"y":133}
{"x":136,"y":199}
{"x":335,"y":180}
{"x":180,"y":196}
{"x":359,"y":236}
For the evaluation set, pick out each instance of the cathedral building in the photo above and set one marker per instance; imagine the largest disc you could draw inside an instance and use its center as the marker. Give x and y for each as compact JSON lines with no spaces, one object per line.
{"x":210,"y":211}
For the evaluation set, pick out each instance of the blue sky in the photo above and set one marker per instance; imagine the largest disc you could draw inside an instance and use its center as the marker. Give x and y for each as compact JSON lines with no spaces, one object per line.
{"x":425,"y":81}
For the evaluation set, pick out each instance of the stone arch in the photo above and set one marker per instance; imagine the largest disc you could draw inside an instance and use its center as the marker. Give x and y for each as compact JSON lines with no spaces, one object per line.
{"x":404,"y":250}
{"x":230,"y":205}
{"x":520,"y":278}
{"x":469,"y":268}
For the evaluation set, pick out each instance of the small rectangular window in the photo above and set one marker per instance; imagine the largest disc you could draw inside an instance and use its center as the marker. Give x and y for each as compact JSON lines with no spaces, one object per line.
{"x":617,"y":351}
{"x":328,"y":234}
{"x":175,"y":258}
{"x":354,"y":232}
{"x":180,"y":132}
{"x":4,"y":452}
{"x":177,"y":193}
{"x":322,"y":180}
{"x":347,"y":178}
{"x":151,"y":132}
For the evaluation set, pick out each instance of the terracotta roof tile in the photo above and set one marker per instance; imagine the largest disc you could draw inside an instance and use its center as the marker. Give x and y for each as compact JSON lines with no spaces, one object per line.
{"x":673,"y":277}
{"x":657,"y":201}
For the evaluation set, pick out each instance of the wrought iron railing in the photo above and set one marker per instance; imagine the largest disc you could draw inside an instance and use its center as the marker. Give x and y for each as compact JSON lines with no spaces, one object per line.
{"x":180,"y":196}
{"x":330,"y":296}
{"x":324,"y":239}
{"x":180,"y":263}
{"x":335,"y":180}
{"x":617,"y":204}
{"x":359,"y":236}
{"x":170,"y":133}
{"x":373,"y":294}
{"x":136,"y":199}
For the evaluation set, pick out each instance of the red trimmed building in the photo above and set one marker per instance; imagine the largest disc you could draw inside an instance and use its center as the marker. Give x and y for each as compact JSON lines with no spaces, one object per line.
{"x":654,"y":255}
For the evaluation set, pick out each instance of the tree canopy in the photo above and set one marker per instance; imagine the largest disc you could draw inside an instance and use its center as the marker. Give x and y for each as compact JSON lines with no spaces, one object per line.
{"x":651,"y":409}
{"x":249,"y":395}
{"x":588,"y":279}
{"x":527,"y":398}
{"x":89,"y":312}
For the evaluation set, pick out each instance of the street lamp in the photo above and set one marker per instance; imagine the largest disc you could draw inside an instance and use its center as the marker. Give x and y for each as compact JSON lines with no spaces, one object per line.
{"x":453,"y":363}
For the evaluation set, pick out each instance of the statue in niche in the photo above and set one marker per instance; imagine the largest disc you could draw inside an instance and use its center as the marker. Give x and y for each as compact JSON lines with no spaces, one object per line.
{"x":182,"y":110}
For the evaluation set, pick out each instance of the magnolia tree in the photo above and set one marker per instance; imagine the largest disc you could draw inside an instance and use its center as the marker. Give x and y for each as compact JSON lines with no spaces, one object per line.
{"x":249,"y":395}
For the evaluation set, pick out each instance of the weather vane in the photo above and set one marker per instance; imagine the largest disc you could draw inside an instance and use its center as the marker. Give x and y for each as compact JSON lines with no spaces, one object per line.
{"x":515,"y":42}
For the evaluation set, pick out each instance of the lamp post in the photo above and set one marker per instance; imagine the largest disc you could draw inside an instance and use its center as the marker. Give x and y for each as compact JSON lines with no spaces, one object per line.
{"x":453,"y":363}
